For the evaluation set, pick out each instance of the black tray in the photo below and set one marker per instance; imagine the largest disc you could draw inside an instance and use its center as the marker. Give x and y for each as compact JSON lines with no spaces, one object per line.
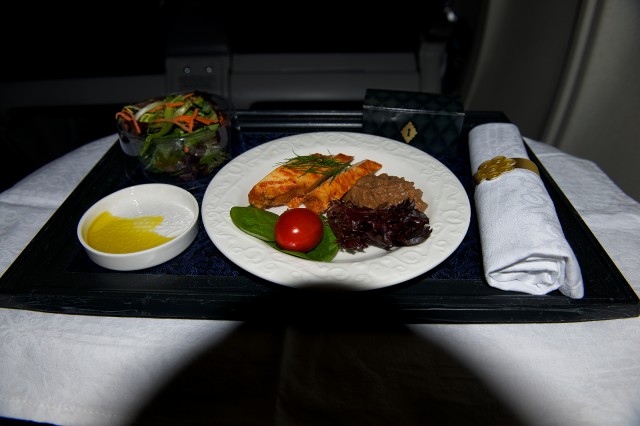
{"x":53,"y":274}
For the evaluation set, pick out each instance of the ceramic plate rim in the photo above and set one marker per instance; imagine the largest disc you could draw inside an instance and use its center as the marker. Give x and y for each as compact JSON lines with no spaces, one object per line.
{"x":449,"y":212}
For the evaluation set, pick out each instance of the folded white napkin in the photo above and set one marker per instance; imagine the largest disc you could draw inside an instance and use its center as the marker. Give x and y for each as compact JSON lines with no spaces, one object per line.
{"x":523,"y":246}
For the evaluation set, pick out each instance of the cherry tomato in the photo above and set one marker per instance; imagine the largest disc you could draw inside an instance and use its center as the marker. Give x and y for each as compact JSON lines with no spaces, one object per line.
{"x":298,"y":229}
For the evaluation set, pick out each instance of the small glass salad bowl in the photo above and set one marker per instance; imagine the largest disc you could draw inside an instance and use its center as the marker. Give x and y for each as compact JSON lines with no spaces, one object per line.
{"x":179,"y":136}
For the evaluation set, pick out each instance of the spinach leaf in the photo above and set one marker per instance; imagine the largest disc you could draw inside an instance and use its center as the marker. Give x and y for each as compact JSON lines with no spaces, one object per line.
{"x":255,"y":222}
{"x":261,"y":224}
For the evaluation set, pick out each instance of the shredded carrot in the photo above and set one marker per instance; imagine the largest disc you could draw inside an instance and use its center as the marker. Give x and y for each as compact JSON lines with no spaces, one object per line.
{"x":208,"y":121}
{"x":123,"y":115}
{"x":182,"y":126}
{"x":128,"y":116}
{"x":204,"y":120}
{"x":193,"y":118}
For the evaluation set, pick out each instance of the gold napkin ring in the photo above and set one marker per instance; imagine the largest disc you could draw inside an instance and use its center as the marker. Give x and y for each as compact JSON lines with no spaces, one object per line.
{"x":497,"y":166}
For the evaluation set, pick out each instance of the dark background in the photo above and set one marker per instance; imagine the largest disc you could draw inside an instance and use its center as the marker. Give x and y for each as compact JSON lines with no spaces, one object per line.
{"x":54,"y":42}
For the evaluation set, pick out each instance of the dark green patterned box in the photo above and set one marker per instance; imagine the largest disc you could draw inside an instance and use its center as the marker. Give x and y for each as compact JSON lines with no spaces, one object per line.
{"x":427,"y":121}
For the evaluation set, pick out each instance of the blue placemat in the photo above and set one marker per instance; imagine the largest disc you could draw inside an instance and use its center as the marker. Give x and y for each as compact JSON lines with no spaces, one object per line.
{"x":203,"y":258}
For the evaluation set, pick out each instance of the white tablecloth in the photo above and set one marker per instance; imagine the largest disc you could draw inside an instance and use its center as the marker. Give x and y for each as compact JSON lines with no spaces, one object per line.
{"x":84,"y":370}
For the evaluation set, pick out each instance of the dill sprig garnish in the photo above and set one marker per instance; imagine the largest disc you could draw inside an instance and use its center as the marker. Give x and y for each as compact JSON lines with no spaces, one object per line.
{"x":318,"y":164}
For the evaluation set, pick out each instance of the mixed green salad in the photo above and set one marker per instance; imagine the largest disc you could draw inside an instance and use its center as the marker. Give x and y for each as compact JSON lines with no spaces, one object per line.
{"x":191,"y":118}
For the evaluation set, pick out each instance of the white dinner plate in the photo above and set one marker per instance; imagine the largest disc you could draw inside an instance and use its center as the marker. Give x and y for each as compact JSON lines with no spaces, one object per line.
{"x":449,"y":214}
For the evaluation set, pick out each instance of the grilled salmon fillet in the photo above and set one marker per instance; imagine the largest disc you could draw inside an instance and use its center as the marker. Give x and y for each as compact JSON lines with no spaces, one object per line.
{"x":288,"y":183}
{"x":318,"y":200}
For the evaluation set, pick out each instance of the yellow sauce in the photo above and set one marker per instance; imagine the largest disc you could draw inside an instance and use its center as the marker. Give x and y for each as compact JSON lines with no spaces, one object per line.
{"x":113,"y":234}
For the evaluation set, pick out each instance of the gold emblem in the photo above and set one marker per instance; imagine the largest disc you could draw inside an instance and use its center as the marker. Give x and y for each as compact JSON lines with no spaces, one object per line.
{"x":408,"y":132}
{"x":497,"y":166}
